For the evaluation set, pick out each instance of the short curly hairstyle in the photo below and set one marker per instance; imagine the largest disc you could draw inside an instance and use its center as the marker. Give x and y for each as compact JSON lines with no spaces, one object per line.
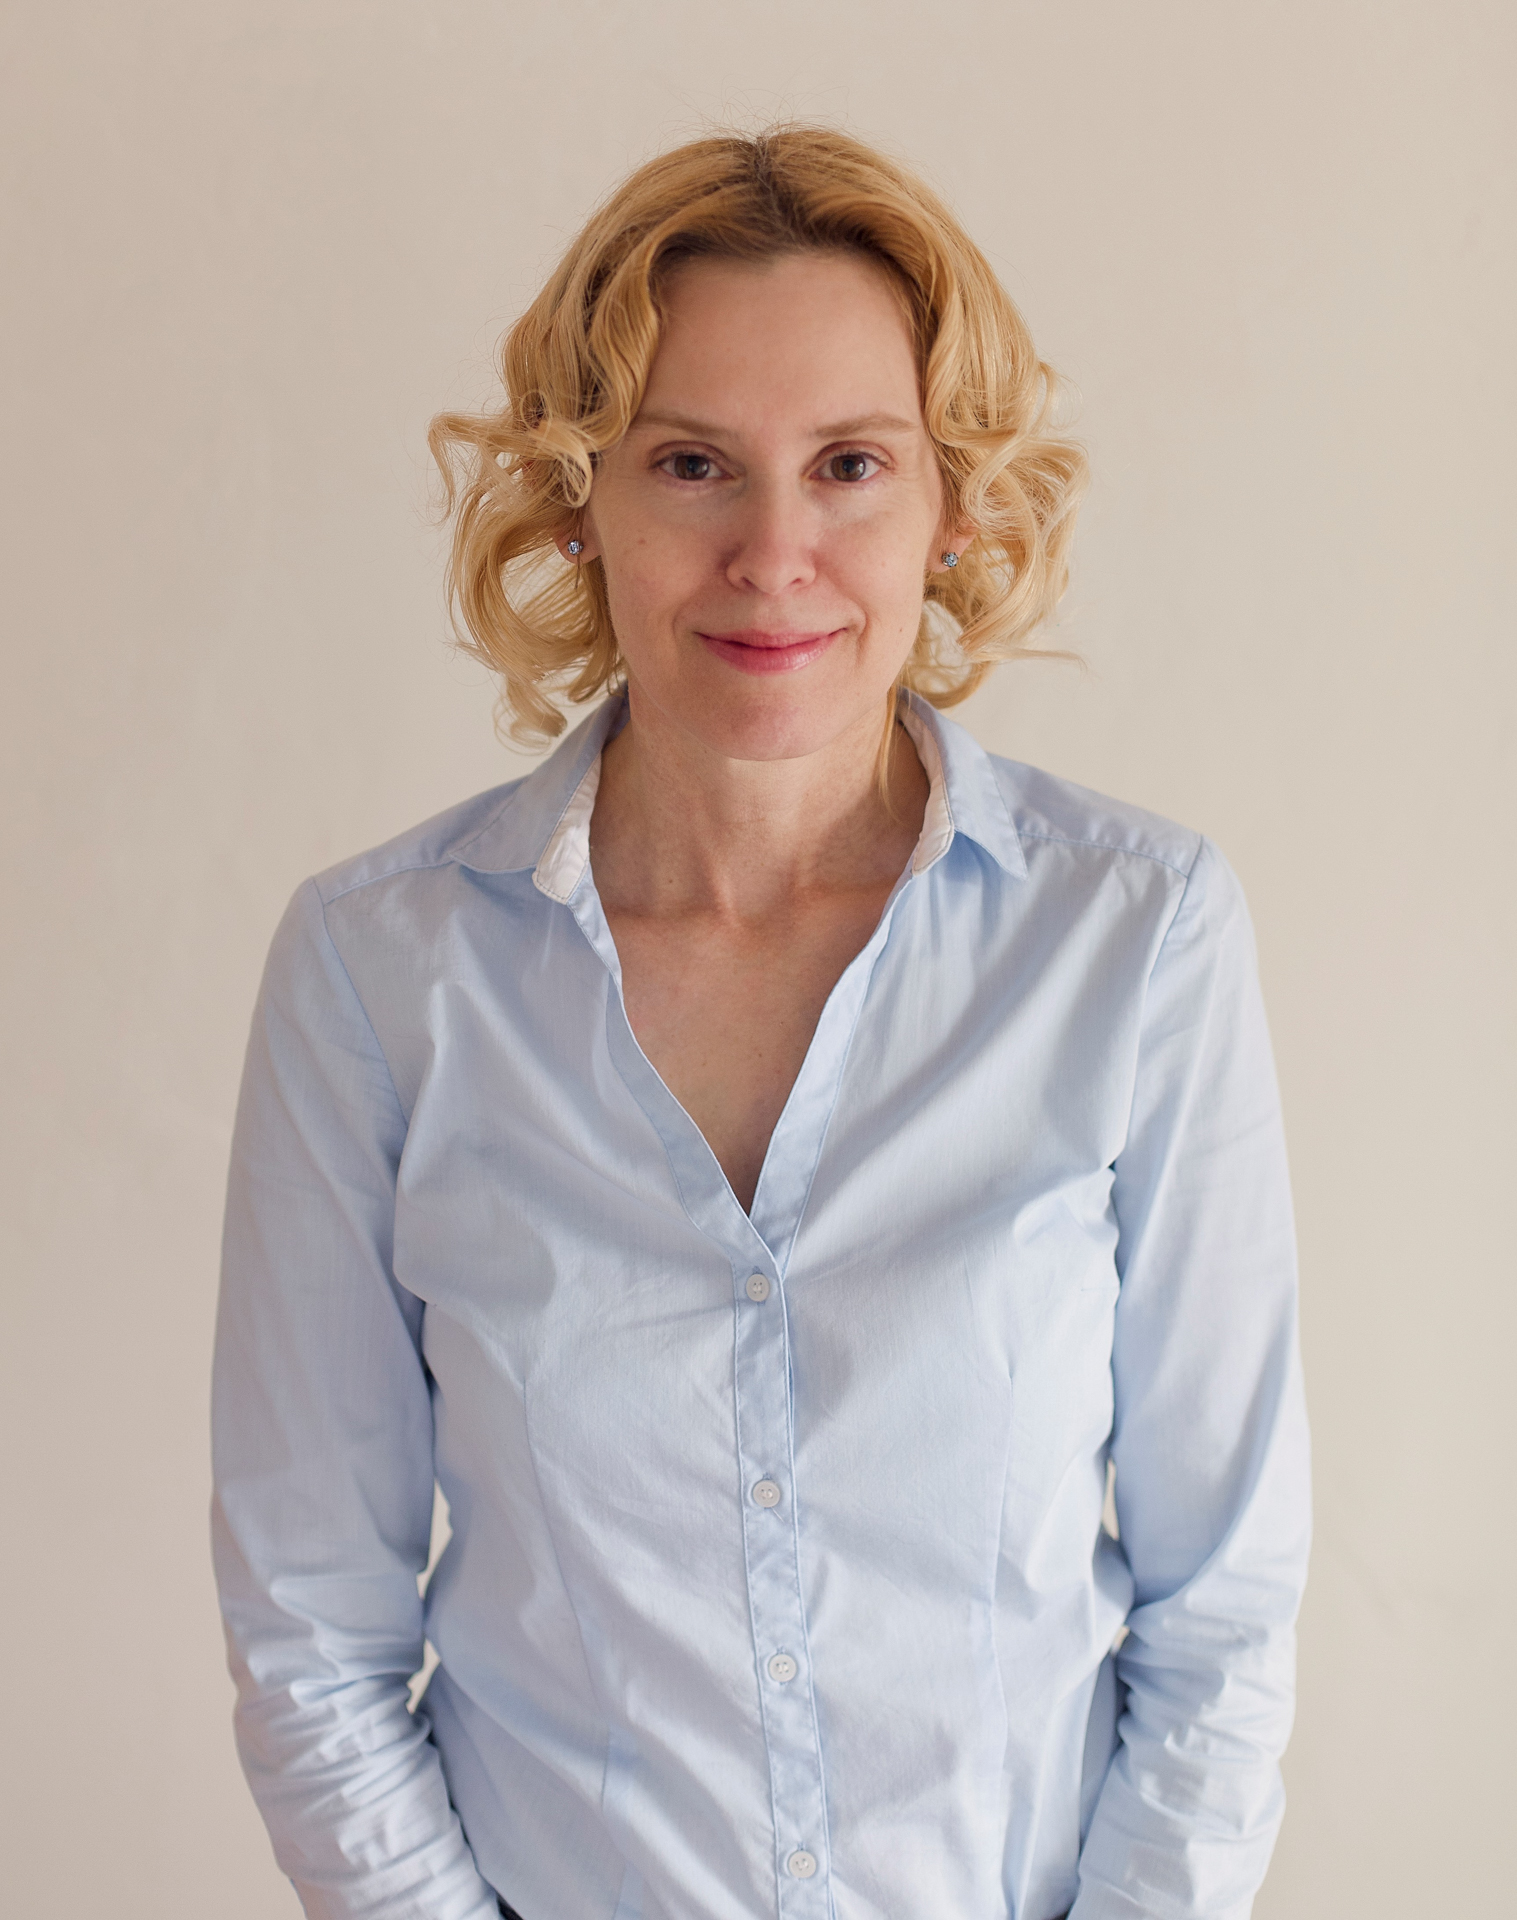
{"x":575,"y":366}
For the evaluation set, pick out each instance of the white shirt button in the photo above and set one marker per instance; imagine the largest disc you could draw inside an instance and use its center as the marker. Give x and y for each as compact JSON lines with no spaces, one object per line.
{"x":782,"y":1667}
{"x":758,"y":1286}
{"x":802,"y":1864}
{"x":766,"y":1493}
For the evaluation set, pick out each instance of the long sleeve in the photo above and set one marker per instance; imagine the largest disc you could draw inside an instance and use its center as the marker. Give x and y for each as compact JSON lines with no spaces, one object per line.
{"x":323,"y":1461}
{"x":1209,"y":1440}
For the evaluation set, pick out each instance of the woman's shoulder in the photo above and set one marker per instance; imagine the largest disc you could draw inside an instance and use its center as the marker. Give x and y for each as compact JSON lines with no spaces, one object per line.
{"x":1049,"y":811}
{"x":1057,"y":822}
{"x":1174,"y":884}
{"x":387,"y":909}
{"x":382,"y":922}
{"x":442,"y":841}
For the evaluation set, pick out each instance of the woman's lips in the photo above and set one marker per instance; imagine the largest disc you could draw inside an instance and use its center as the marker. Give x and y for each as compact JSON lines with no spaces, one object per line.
{"x":753,"y":651}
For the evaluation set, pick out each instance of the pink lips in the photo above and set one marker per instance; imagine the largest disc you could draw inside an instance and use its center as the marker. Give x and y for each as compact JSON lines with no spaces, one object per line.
{"x":753,"y":651}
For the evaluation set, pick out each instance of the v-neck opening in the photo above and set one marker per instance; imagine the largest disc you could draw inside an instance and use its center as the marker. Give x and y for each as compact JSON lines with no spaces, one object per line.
{"x":564,"y":873}
{"x":785,"y":1178}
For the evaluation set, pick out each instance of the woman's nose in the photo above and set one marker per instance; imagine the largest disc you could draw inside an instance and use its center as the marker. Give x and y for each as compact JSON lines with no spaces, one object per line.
{"x":773,"y":541}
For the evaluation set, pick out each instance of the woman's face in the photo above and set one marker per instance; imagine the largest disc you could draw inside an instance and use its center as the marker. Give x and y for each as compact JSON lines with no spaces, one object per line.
{"x":767,"y":522}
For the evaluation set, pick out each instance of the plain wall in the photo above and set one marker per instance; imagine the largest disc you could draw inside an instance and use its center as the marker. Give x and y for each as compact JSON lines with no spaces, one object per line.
{"x":248,"y":249}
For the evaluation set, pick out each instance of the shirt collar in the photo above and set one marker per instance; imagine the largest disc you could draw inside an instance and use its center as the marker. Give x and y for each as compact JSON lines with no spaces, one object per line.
{"x":544,"y":824}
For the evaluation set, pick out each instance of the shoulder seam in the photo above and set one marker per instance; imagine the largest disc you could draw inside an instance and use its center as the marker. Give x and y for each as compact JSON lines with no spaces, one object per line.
{"x":389,"y":873}
{"x":1110,"y":846}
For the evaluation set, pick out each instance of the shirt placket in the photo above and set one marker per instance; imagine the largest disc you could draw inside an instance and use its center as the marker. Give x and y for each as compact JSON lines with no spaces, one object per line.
{"x":758,"y":1250}
{"x":765,"y":1447}
{"x":773,"y":1506}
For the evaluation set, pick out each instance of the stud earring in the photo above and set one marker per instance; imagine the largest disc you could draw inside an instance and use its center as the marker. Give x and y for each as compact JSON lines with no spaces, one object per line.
{"x":949,"y":559}
{"x":576,"y":548}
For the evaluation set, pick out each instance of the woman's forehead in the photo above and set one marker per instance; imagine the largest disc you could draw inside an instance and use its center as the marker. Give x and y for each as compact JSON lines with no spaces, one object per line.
{"x":820,"y":336}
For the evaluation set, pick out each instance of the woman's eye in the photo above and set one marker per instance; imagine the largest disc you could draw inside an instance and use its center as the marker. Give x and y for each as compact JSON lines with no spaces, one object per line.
{"x":851,"y":466}
{"x":689,"y":466}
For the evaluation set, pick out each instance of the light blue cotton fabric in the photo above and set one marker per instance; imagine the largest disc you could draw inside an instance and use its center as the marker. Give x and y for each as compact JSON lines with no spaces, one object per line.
{"x":778,"y":1583}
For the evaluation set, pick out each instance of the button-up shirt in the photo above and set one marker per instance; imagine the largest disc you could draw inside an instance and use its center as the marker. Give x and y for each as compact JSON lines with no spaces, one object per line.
{"x":778,"y":1582}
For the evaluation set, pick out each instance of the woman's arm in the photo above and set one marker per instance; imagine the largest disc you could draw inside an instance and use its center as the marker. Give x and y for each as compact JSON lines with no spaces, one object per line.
{"x":323,"y":1460}
{"x":1210,"y":1439}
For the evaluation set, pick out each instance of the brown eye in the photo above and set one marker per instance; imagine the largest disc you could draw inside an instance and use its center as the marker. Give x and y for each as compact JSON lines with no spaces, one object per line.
{"x":850,"y":466}
{"x":689,"y":466}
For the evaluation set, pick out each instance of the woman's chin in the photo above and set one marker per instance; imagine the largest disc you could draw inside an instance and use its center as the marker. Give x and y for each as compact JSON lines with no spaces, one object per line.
{"x":776,"y":716}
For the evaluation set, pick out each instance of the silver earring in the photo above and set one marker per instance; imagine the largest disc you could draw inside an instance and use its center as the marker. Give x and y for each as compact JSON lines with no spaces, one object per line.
{"x":576,"y":548}
{"x":949,"y":559}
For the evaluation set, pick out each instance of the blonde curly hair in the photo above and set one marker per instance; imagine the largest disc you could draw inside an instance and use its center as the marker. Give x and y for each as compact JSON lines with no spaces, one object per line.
{"x":576,"y":363}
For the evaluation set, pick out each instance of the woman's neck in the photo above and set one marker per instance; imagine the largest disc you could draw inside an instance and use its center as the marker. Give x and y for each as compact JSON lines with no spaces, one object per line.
{"x":681,"y":829}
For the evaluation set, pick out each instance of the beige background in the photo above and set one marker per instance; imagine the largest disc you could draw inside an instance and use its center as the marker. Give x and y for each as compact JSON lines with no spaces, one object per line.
{"x":250,"y":245}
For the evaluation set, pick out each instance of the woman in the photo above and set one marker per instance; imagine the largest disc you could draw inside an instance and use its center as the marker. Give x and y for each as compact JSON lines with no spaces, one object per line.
{"x":767,"y":1165}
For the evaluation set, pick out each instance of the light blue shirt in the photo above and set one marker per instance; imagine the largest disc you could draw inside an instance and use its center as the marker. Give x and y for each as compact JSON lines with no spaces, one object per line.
{"x":778,"y":1583}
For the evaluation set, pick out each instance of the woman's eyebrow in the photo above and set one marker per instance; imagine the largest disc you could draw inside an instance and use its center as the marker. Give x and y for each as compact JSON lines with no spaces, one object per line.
{"x":867,"y":423}
{"x":680,"y":423}
{"x":838,"y":430}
